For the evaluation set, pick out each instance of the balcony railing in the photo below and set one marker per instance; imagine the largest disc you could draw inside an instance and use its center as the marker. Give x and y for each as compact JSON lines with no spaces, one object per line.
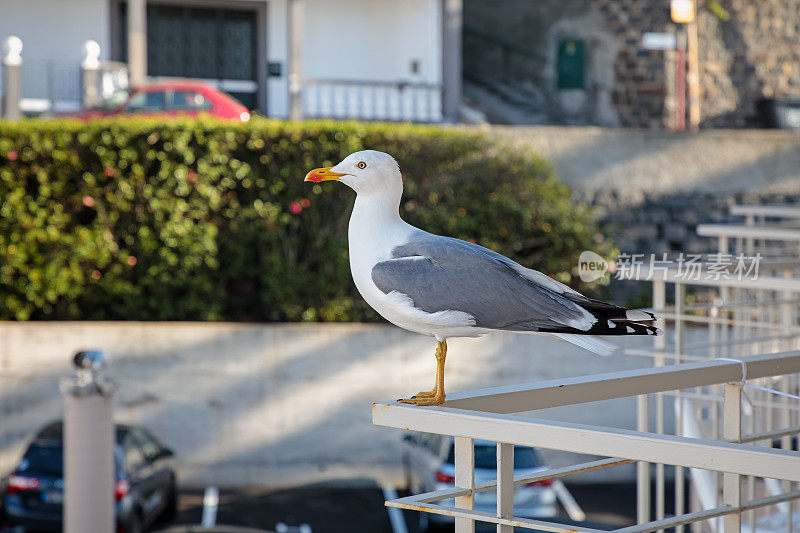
{"x":372,"y":100}
{"x":489,"y":414}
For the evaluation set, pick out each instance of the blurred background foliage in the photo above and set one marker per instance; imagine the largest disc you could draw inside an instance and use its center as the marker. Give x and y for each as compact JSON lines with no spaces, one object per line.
{"x":153,"y":219}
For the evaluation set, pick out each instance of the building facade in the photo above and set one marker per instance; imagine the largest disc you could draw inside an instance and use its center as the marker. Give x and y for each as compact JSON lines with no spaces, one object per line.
{"x":373,"y":59}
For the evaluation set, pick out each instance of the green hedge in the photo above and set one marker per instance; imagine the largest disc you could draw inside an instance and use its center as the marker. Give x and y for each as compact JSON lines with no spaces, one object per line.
{"x":201,"y":220}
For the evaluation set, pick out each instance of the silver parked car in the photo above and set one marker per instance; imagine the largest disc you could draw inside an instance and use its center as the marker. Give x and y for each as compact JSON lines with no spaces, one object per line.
{"x":429,"y":465}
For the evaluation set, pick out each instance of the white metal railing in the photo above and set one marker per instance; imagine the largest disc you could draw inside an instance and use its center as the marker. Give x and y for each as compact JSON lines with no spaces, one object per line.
{"x":489,"y":414}
{"x":734,"y":317}
{"x":753,"y":213}
{"x":372,"y":100}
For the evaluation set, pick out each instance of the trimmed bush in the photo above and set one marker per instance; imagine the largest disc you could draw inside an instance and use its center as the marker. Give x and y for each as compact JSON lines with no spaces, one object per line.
{"x":145,"y":219}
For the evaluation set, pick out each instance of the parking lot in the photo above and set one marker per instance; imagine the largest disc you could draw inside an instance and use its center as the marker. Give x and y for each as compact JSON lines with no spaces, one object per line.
{"x":334,"y":508}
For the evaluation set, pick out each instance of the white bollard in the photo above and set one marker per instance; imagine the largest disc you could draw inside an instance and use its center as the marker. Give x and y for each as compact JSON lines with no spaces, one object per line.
{"x":210,"y":506}
{"x":12,"y":77}
{"x":88,"y":450}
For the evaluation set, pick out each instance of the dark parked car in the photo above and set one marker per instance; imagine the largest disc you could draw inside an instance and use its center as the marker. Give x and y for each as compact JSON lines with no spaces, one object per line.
{"x":145,"y":487}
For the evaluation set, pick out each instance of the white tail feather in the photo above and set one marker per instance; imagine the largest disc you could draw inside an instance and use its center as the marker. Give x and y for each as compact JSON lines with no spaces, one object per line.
{"x":588,"y":342}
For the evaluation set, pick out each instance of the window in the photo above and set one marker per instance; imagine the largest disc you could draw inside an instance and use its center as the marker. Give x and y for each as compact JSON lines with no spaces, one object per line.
{"x":47,"y":460}
{"x":188,"y":100}
{"x":146,"y":101}
{"x":486,"y":457}
{"x":149,"y":446}
{"x":134,"y":458}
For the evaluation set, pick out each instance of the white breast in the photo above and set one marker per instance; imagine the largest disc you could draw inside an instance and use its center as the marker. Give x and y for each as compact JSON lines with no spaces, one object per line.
{"x":371,"y":239}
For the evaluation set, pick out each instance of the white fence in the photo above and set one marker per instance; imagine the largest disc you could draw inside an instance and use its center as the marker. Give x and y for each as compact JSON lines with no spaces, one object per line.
{"x":372,"y":100}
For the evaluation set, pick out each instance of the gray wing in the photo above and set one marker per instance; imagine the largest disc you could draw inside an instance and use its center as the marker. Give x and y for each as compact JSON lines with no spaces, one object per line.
{"x":442,"y":273}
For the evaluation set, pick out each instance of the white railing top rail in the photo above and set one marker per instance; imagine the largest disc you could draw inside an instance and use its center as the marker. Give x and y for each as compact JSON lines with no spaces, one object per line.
{"x":372,"y":83}
{"x":672,"y":274}
{"x":772,"y":233}
{"x":770,"y":210}
{"x":718,"y":456}
{"x":597,"y":387}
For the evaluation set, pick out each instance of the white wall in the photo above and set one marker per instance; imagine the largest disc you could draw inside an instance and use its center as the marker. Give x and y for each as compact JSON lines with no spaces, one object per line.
{"x":357,"y":40}
{"x":275,"y":405}
{"x":55,"y":29}
{"x":345,"y":39}
{"x":373,"y":39}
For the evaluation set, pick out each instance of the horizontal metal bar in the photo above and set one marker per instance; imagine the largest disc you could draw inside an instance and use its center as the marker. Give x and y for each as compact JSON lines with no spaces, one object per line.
{"x":677,"y":520}
{"x":767,"y":435}
{"x":776,"y":211}
{"x":648,"y":527}
{"x":722,"y":321}
{"x":553,"y":473}
{"x":372,"y":83}
{"x":710,"y":513}
{"x":718,"y":399}
{"x":583,"y":389}
{"x":671,"y":275}
{"x":667,"y":355}
{"x":484,"y":516}
{"x":579,"y":438}
{"x":757,"y":232}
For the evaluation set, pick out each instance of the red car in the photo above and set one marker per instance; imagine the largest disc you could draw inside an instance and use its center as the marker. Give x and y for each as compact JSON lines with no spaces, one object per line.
{"x":170,"y":99}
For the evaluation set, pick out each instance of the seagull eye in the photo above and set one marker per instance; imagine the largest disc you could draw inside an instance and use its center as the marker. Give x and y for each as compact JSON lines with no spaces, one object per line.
{"x":361,"y":165}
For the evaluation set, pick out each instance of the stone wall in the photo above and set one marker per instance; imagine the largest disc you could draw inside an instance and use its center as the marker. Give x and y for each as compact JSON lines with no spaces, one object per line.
{"x":747,"y":53}
{"x":752,"y":55}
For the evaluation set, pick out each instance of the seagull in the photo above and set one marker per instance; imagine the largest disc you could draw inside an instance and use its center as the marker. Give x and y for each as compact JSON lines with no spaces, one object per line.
{"x":444,"y":287}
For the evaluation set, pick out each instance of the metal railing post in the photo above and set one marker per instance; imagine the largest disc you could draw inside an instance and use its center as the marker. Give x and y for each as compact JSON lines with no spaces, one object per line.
{"x":680,"y":345}
{"x":732,"y":431}
{"x":660,"y":345}
{"x":505,"y":485}
{"x":642,"y":468}
{"x":12,"y":78}
{"x":465,"y":479}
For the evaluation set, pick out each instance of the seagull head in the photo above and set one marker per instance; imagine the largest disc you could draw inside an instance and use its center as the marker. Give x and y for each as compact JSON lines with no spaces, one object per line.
{"x":366,"y":172}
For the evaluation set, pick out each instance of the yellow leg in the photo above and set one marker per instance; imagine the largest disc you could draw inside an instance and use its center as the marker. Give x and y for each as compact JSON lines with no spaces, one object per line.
{"x":435,"y":396}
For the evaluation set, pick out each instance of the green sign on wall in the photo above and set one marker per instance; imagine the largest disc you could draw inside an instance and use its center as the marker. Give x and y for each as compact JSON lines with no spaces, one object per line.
{"x":570,"y":64}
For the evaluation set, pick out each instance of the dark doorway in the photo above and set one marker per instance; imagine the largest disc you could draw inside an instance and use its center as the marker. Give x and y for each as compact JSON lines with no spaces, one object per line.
{"x":214,"y":44}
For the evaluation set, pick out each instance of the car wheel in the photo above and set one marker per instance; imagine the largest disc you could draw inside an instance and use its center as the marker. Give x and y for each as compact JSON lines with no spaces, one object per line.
{"x":170,"y":512}
{"x":136,"y":524}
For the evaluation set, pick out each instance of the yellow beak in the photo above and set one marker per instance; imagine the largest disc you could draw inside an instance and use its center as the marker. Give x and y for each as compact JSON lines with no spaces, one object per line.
{"x":322,"y":174}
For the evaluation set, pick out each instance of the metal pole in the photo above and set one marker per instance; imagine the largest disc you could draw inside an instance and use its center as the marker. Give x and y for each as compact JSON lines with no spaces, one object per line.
{"x":505,"y":485}
{"x":465,"y":479}
{"x":137,"y":42}
{"x":88,"y":449}
{"x":732,"y":431}
{"x":693,"y":77}
{"x":12,"y":70}
{"x":90,"y":75}
{"x":680,"y":82}
{"x":451,"y":59}
{"x":296,"y":27}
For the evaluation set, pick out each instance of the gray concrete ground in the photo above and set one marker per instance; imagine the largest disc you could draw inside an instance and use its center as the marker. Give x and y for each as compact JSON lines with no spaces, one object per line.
{"x":278,"y":405}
